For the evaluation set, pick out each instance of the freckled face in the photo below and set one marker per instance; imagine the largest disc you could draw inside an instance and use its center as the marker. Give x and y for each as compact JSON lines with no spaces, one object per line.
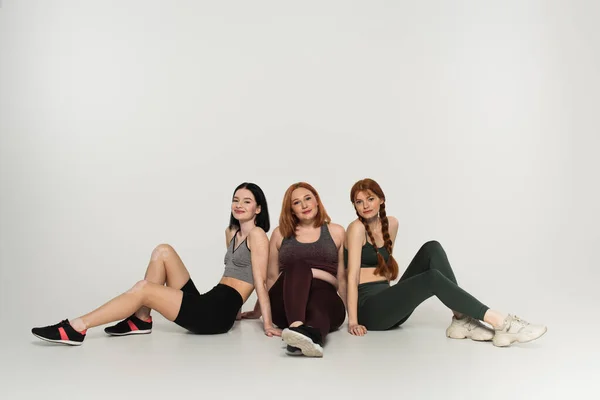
{"x":367,"y":204}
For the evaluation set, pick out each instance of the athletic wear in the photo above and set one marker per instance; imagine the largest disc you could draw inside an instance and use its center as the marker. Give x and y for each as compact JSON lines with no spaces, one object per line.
{"x":62,"y":332}
{"x":381,"y":306}
{"x":467,"y":327}
{"x":368,"y":256}
{"x":321,"y":254}
{"x":209,"y":313}
{"x":297,"y":296}
{"x":516,"y":329}
{"x":238,"y":263}
{"x":305,"y":338}
{"x":130,"y":326}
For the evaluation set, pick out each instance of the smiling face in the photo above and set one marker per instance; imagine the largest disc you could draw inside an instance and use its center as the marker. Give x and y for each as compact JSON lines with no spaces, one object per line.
{"x":367,"y":204}
{"x":243,"y":205}
{"x":304,"y":204}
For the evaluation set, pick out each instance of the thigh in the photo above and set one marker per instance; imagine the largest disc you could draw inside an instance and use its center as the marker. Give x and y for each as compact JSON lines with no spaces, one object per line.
{"x":393,"y":306}
{"x":419,"y":263}
{"x":166,"y":300}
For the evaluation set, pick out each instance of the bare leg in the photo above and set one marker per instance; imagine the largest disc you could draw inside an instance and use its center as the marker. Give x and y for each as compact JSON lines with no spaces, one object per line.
{"x":494,"y":318}
{"x":165,"y":300}
{"x":165,"y":266}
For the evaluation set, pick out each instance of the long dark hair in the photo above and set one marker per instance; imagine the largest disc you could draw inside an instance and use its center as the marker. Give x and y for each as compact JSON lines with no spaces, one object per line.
{"x":262,"y":219}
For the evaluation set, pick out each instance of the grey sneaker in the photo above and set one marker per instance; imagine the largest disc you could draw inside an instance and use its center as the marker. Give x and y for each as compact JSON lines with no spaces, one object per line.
{"x":515,"y":329}
{"x":468,"y":327}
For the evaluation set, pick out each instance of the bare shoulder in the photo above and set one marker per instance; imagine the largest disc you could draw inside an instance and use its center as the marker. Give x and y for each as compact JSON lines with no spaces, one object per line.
{"x":355,"y":234}
{"x":356,"y":227}
{"x":257,"y":236}
{"x":229,"y":232}
{"x":336,"y":229}
{"x":257,"y":232}
{"x":276,"y":237}
{"x":393,"y":229}
{"x":393,"y":221}
{"x":338,"y":233}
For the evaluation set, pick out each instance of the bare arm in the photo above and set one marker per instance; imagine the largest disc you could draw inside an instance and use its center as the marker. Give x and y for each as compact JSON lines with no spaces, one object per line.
{"x":339,"y":235}
{"x":228,"y":236}
{"x":260,"y":255}
{"x":273,"y":268}
{"x":393,"y":229}
{"x":354,"y":239}
{"x":272,"y":272}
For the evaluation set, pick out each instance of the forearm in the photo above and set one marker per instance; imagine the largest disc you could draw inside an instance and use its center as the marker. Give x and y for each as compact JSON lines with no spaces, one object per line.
{"x":352,"y":303}
{"x":264,"y":304}
{"x":342,"y":292}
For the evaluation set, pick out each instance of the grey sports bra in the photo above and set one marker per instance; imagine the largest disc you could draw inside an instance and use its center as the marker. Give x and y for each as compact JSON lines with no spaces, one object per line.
{"x":238,"y":262}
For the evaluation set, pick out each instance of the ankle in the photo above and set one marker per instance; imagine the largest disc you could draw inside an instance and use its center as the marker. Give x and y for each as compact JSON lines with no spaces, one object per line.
{"x":78,"y":324}
{"x":494,"y":318}
{"x":296,"y":324}
{"x":143,"y":316}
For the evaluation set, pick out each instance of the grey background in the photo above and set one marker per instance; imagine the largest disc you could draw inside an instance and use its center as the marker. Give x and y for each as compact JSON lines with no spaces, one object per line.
{"x":128,"y":124}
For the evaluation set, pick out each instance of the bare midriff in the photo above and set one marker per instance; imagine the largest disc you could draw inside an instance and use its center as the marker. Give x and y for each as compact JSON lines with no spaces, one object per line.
{"x":244,"y":288}
{"x":368,"y":275}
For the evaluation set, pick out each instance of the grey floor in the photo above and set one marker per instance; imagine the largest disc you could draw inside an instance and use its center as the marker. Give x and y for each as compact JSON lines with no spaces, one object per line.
{"x":415,"y":361}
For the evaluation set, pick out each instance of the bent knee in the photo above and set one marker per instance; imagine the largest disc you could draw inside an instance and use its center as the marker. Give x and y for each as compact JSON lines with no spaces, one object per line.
{"x":432,"y":246}
{"x":138,"y":287}
{"x":162,"y":251}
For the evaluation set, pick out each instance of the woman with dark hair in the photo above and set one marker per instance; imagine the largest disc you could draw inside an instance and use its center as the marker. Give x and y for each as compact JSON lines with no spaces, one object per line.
{"x":374,"y":304}
{"x":306,"y":271}
{"x":179,"y":301}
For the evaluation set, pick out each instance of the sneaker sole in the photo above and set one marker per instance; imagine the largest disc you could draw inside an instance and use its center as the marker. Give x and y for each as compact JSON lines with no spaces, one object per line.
{"x":138,"y":332}
{"x":454,"y":335}
{"x":294,"y":353}
{"x":502,"y":342}
{"x":307,"y":346}
{"x":67,"y":342}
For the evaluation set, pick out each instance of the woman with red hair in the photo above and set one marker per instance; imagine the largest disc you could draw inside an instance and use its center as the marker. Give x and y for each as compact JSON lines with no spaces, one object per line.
{"x":306,"y":271}
{"x":374,"y":304}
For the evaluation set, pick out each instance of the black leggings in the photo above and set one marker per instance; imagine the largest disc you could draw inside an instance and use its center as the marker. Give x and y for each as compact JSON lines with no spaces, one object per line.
{"x":209,"y":313}
{"x":382,"y":307}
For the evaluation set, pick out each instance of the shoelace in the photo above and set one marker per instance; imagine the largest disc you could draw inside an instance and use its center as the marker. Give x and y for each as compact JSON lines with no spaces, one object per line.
{"x":519,"y":321}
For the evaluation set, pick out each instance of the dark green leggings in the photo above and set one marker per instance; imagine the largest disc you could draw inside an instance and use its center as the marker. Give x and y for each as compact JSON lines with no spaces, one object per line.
{"x":382,"y":307}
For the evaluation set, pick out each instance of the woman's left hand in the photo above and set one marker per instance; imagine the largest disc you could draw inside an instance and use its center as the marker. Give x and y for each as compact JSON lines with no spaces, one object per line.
{"x":272,"y":331}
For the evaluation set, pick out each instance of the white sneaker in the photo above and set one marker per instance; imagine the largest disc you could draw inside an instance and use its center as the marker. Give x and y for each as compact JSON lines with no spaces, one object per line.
{"x":515,"y":329}
{"x":468,"y":327}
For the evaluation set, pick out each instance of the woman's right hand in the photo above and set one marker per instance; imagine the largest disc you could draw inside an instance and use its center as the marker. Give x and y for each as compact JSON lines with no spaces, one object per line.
{"x":357,"y":330}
